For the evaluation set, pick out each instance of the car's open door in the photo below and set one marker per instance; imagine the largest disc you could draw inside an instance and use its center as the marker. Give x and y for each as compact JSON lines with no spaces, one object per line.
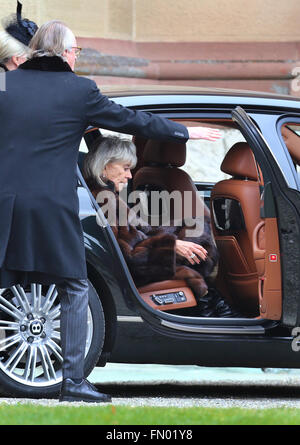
{"x":280,"y":211}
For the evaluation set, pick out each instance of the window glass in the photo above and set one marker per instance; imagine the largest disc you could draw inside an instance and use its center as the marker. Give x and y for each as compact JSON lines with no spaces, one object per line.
{"x":204,"y":158}
{"x":83,"y":147}
{"x":293,"y":145}
{"x":295,"y":128}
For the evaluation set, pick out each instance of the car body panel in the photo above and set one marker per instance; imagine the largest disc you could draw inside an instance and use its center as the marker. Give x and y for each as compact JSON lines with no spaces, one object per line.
{"x":145,"y":335}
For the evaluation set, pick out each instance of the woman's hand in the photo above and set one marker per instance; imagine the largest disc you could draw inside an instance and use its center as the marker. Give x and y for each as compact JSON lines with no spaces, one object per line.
{"x":191,"y":251}
{"x":210,"y":134}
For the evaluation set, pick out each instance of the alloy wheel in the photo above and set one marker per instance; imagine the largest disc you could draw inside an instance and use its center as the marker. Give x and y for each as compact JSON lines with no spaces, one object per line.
{"x":30,"y":348}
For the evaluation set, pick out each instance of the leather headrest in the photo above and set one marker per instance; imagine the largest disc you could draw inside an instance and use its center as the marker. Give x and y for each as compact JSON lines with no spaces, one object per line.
{"x":292,"y":141}
{"x":164,"y":153}
{"x":239,"y":161}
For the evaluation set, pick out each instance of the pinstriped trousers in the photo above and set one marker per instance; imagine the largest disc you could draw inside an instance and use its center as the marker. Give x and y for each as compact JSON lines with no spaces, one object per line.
{"x":73,"y":297}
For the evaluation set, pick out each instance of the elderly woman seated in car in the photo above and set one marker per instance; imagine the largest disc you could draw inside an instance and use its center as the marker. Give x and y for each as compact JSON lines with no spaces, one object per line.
{"x":153,"y":253}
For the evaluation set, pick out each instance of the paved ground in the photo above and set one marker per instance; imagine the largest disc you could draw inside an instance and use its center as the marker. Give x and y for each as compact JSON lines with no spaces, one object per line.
{"x":126,"y":373}
{"x":157,"y":385}
{"x":185,"y":386}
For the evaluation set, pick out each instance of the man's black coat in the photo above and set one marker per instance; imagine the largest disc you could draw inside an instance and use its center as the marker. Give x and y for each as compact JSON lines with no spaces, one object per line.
{"x":44,"y":112}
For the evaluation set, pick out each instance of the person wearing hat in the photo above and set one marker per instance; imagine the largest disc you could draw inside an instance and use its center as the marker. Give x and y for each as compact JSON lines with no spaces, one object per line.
{"x":41,"y":237}
{"x":15,"y":39}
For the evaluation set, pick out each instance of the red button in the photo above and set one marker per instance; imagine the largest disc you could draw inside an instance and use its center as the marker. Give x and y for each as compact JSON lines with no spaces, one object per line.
{"x":273,"y":257}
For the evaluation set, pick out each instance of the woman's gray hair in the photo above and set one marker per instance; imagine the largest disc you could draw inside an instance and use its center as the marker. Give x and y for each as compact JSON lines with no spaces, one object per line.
{"x":52,"y":39}
{"x":9,"y":47}
{"x":106,"y":150}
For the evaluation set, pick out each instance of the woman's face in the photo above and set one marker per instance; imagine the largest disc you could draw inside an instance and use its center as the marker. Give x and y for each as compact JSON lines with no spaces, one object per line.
{"x":118,"y":173}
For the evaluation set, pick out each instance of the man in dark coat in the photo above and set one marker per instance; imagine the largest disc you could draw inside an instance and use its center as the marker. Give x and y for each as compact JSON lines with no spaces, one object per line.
{"x":44,"y":112}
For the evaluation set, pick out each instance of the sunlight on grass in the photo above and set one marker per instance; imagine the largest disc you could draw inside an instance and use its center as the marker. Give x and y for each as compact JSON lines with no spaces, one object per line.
{"x":27,"y":414}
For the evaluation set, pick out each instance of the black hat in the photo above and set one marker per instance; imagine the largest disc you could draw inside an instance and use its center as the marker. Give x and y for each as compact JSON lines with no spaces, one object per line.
{"x":21,"y":29}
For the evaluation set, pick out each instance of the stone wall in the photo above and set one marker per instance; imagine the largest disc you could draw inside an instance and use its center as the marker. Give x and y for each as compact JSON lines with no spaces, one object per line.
{"x":171,"y":20}
{"x":211,"y":43}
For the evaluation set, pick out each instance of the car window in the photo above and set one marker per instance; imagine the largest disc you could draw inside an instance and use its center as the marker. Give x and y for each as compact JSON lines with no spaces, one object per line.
{"x":296,"y":129}
{"x":83,"y":147}
{"x":204,"y":158}
{"x":293,"y":144}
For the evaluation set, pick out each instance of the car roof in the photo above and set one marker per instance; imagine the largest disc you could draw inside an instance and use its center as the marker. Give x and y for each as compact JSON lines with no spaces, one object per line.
{"x":135,"y":95}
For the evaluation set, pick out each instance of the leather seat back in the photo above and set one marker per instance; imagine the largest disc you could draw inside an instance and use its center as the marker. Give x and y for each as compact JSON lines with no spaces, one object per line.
{"x":161,"y":172}
{"x":236,"y":222}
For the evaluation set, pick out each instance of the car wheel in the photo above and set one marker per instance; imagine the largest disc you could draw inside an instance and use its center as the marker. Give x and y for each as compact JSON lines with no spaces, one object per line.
{"x":30,"y":348}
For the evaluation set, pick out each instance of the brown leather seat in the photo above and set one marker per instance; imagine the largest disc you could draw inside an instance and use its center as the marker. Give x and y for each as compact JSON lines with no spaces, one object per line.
{"x":161,"y":172}
{"x":238,"y":228}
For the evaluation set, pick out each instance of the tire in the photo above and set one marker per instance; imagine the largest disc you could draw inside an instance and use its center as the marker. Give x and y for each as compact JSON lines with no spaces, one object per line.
{"x":30,"y":350}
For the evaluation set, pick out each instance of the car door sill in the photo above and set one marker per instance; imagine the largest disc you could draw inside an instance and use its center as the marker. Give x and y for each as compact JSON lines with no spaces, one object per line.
{"x":257,"y":329}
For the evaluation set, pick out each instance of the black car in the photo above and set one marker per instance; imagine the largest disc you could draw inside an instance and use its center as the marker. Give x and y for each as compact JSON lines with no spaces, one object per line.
{"x":250,"y":182}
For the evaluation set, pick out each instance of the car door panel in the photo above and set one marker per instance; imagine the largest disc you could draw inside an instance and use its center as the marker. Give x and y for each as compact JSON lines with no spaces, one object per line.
{"x":279,"y":286}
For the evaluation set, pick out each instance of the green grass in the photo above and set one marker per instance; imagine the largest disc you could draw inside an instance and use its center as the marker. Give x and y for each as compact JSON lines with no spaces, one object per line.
{"x":30,"y":414}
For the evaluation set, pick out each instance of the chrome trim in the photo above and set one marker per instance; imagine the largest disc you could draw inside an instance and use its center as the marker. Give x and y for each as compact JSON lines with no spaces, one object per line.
{"x":128,"y":318}
{"x":215,"y":329}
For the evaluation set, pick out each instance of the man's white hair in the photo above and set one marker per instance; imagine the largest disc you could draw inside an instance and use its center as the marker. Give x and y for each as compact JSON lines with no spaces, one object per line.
{"x":52,"y":39}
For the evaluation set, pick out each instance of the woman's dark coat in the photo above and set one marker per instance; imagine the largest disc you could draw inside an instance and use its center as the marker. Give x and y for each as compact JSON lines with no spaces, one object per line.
{"x":150,"y":251}
{"x":44,"y":112}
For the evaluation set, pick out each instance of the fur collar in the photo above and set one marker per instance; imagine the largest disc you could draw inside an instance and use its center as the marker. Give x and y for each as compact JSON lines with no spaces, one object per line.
{"x":95,"y":187}
{"x":3,"y":67}
{"x":45,"y":63}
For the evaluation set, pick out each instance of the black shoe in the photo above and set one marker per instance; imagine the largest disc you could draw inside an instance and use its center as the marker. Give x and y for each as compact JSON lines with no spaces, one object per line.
{"x":81,"y":392}
{"x":206,"y":306}
{"x":221,"y":308}
{"x":213,"y":305}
